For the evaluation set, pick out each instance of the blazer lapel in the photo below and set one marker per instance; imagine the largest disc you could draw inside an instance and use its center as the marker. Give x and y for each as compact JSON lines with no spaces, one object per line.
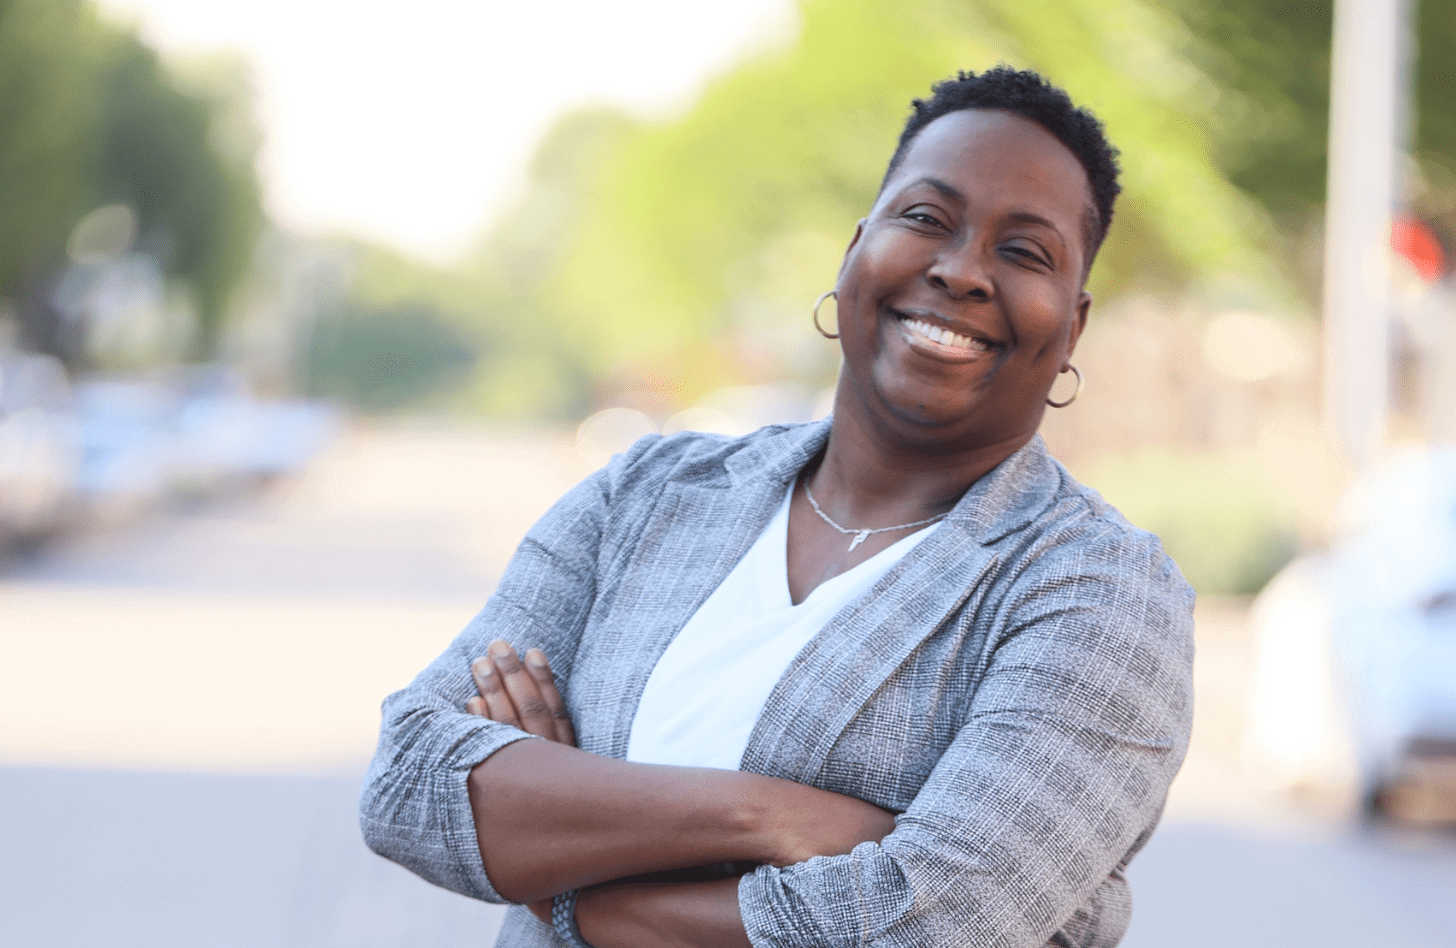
{"x":839,"y":671}
{"x":842,"y":667}
{"x":697,"y":533}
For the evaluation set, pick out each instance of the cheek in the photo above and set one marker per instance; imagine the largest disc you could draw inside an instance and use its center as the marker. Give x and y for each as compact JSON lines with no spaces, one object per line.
{"x":880,"y":260}
{"x":1045,"y":326}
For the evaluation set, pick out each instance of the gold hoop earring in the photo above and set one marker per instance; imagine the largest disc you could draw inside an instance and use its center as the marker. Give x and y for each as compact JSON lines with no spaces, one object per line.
{"x":1075,"y":394}
{"x":818,"y":303}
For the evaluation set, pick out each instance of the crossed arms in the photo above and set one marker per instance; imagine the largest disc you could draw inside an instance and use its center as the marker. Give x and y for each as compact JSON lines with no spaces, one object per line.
{"x":1065,"y":737}
{"x":550,"y":818}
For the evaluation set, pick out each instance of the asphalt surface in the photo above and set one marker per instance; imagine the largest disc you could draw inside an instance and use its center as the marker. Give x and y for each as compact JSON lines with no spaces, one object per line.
{"x":188,"y":703}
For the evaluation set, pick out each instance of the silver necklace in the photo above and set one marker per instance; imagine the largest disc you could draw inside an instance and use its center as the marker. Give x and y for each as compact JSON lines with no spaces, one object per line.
{"x":860,"y":535}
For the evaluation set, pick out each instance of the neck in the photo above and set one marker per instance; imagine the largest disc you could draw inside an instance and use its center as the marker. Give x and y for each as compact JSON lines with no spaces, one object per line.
{"x":872,"y":476}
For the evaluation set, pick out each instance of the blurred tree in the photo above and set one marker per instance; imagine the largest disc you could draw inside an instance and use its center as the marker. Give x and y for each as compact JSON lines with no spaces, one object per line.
{"x":501,"y":299}
{"x":89,"y":116}
{"x":706,"y":236}
{"x":659,"y":259}
{"x":49,"y":114}
{"x":1269,"y":123}
{"x":386,"y":359}
{"x":1434,"y":141}
{"x":162,"y":153}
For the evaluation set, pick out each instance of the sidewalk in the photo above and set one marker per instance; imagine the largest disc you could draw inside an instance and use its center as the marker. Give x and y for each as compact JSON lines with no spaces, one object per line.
{"x":189,"y":706}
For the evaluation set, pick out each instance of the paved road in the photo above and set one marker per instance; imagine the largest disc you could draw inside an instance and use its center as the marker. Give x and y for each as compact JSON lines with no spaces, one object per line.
{"x":188,"y":704}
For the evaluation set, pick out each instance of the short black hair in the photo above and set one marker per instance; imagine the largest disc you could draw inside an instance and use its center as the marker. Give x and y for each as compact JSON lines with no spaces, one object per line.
{"x":1026,"y":93}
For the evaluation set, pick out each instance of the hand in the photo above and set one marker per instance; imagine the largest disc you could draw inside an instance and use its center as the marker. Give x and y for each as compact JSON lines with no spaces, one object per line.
{"x":521,"y":694}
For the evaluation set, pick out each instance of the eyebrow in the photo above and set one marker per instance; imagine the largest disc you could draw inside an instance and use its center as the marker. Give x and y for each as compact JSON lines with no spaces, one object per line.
{"x":1030,"y":217}
{"x":944,"y":188}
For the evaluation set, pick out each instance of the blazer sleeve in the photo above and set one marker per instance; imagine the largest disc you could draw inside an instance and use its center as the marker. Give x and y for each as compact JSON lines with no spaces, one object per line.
{"x":1058,"y":773}
{"x":414,"y":808}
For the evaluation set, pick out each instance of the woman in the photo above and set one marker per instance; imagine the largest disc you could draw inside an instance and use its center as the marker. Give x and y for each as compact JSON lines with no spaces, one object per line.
{"x":954,"y":684}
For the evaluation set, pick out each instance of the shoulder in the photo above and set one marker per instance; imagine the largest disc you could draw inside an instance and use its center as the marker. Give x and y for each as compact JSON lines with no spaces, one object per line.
{"x":709,"y":460}
{"x":1081,"y":590}
{"x":1053,"y":524}
{"x":1076,"y":557}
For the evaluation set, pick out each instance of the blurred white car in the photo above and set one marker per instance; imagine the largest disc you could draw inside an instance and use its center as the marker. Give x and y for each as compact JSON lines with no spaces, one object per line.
{"x":224,"y":435}
{"x":192,"y":433}
{"x":37,"y":452}
{"x":1355,"y":663}
{"x":125,"y":443}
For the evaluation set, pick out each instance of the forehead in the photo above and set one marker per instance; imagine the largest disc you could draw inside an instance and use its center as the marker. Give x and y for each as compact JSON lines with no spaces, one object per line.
{"x":991,"y":155}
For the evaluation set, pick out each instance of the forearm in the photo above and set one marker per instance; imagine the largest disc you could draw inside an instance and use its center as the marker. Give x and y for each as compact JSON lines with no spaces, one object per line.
{"x":550,"y":818}
{"x":662,"y":915}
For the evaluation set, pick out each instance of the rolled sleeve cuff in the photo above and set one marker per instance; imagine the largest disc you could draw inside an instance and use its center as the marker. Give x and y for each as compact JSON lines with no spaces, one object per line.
{"x":825,"y":902}
{"x":417,"y":811}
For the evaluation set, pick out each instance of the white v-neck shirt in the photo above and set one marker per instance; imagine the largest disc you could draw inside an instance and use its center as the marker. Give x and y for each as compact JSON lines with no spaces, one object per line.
{"x":705,"y":694}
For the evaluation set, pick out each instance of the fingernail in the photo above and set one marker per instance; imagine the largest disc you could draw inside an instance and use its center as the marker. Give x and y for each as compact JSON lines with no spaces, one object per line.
{"x":481,"y":666}
{"x":500,"y":648}
{"x":536,"y":657}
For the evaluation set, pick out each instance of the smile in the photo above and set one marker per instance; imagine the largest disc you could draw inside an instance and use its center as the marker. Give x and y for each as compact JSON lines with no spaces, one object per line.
{"x":938,"y":337}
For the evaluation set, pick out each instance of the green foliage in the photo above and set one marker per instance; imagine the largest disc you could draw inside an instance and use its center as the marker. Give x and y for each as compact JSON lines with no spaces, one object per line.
{"x":680,"y":255}
{"x":199,"y":212}
{"x":89,"y":116}
{"x":1271,"y":61}
{"x":1215,"y":513}
{"x":382,"y":360}
{"x":1435,"y":82}
{"x":48,"y":118}
{"x":671,"y":257}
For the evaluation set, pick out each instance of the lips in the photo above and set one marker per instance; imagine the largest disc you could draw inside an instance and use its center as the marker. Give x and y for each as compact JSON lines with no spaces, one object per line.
{"x":939,"y":337}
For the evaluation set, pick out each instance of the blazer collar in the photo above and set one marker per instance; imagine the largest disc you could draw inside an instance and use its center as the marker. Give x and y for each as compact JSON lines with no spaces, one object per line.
{"x":846,"y":663}
{"x":1006,"y":499}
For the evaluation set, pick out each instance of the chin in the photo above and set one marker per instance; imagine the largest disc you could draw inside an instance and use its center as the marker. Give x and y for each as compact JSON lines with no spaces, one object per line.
{"x":924,"y":420}
{"x":928,"y":415}
{"x":922,"y":405}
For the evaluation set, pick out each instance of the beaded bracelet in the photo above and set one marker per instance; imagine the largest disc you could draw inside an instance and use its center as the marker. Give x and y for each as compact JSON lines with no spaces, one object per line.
{"x":563,"y":919}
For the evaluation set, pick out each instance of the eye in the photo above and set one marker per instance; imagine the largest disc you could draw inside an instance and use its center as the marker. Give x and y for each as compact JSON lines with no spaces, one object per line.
{"x":924,"y":215}
{"x":1030,"y":253}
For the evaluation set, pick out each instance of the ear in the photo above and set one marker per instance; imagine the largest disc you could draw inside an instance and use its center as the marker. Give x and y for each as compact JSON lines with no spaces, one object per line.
{"x":853,"y":242}
{"x":1079,"y":323}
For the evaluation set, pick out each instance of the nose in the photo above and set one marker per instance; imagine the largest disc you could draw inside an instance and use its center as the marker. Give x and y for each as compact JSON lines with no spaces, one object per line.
{"x":959,"y":272}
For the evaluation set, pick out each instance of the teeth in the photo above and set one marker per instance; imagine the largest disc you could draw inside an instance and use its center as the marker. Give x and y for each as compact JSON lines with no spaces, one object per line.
{"x":943,"y":336}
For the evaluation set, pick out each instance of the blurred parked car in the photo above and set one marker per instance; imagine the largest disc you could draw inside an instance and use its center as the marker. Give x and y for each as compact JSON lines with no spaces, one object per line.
{"x":126,"y":446}
{"x":37,"y":452}
{"x":1355,"y":665}
{"x":195,"y":432}
{"x":225,"y":436}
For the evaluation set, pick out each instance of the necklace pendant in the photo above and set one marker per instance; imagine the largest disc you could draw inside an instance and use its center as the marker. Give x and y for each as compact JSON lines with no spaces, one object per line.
{"x":858,"y":539}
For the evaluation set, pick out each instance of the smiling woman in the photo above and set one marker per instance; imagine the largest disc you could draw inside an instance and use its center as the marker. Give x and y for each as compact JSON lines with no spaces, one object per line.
{"x":891,"y":678}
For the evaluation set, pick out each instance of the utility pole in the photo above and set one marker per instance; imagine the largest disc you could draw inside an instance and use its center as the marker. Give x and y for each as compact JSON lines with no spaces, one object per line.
{"x":1365,"y":102}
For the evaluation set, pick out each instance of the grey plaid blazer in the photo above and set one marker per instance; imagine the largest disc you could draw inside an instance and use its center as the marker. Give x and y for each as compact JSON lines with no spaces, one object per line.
{"x":1018,"y":688}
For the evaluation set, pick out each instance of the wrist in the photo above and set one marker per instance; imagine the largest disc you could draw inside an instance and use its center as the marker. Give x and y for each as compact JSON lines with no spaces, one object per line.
{"x":759,"y":819}
{"x":595,"y":914}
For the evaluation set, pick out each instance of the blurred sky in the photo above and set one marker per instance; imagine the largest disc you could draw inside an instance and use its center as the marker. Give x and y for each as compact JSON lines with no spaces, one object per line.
{"x":409,"y":123}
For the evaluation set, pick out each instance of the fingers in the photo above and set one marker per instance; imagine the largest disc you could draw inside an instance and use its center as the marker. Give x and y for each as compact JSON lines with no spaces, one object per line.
{"x":516,"y":693}
{"x":497,"y":703}
{"x":540,"y":669}
{"x":524,"y":691}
